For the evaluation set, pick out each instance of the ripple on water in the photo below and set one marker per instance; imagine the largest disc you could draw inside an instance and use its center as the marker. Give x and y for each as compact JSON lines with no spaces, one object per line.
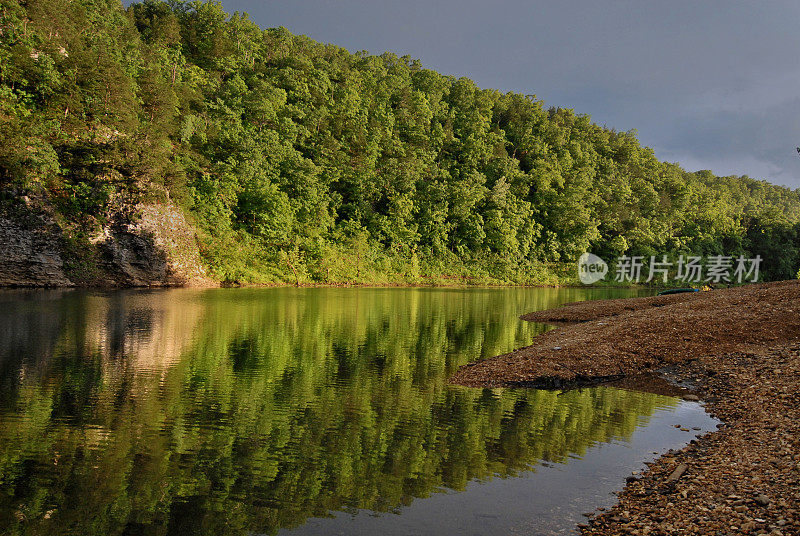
{"x":302,"y":410}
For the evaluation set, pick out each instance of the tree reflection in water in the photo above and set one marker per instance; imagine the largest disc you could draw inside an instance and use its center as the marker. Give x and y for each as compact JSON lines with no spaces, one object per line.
{"x":239,"y":410}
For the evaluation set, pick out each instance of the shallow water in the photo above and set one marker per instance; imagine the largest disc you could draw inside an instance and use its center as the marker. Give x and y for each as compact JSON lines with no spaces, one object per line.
{"x":301,"y":411}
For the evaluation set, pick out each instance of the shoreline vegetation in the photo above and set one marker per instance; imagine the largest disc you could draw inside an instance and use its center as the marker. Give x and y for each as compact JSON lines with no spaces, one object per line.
{"x":172,"y":143}
{"x":738,"y":350}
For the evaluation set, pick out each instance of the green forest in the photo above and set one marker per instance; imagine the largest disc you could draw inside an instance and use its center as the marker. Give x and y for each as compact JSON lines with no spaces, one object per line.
{"x":301,"y":162}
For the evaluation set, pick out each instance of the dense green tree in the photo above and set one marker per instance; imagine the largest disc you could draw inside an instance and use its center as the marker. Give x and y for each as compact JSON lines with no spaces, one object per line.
{"x":279,"y":145}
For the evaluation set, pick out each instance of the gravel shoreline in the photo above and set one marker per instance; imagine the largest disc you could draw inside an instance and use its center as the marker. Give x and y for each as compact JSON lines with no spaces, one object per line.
{"x":739,"y":351}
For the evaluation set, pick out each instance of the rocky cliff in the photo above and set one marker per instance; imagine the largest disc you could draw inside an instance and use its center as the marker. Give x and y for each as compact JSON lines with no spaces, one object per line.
{"x":30,"y":251}
{"x":147,"y":245}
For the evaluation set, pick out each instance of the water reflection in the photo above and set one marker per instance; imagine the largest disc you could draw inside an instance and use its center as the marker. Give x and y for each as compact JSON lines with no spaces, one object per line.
{"x":237,"y":410}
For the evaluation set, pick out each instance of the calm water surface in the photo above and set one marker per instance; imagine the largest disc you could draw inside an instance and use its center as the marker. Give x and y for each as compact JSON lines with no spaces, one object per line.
{"x":301,"y":411}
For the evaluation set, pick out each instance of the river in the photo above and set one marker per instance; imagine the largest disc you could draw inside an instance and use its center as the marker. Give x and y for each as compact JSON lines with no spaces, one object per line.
{"x":302,"y":411}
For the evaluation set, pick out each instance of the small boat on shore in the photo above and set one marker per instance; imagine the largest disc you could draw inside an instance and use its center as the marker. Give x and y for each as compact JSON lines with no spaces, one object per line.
{"x":677,"y":291}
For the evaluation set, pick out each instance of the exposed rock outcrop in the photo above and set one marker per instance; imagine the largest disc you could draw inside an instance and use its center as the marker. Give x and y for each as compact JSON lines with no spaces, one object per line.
{"x":30,"y":251}
{"x":156,"y":246}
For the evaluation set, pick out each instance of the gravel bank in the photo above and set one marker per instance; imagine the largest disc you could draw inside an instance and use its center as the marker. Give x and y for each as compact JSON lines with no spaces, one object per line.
{"x":630,"y":336}
{"x":739,"y":349}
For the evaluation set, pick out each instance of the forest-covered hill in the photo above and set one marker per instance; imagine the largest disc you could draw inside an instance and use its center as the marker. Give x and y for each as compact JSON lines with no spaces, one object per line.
{"x":299,"y":161}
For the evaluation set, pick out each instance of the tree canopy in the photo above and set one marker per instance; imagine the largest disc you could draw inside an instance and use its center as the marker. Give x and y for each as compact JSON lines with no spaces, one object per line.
{"x":301,"y":160}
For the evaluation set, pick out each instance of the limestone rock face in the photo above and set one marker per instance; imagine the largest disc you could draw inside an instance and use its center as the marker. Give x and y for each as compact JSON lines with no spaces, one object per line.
{"x":173,"y":239}
{"x":156,"y":247}
{"x":30,"y":252}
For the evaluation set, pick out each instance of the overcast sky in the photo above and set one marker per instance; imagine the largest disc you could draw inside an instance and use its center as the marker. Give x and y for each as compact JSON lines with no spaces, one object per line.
{"x":711,"y":85}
